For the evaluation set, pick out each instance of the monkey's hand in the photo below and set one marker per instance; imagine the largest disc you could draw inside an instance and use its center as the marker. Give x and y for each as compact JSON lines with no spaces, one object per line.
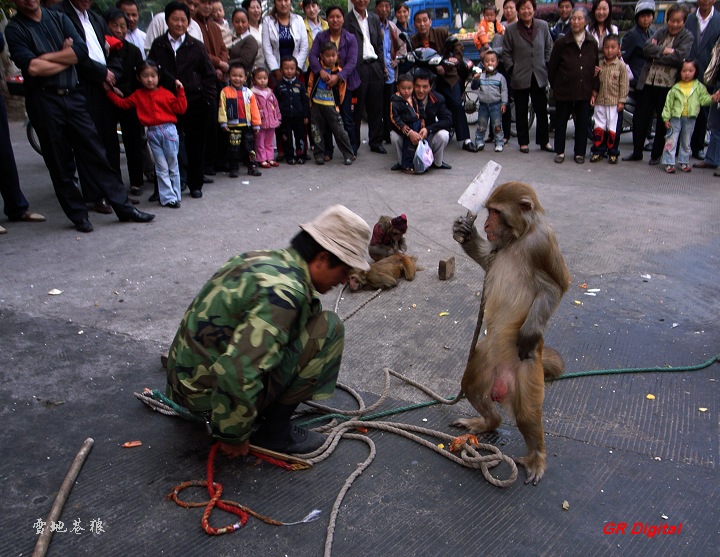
{"x":463,"y":231}
{"x":528,"y":340}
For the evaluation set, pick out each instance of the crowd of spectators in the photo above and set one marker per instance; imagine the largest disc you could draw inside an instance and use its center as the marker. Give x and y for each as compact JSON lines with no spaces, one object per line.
{"x":590,"y":71}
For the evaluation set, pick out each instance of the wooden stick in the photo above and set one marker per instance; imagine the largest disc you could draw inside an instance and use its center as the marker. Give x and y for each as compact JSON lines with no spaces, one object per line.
{"x":43,"y":542}
{"x":279,"y":456}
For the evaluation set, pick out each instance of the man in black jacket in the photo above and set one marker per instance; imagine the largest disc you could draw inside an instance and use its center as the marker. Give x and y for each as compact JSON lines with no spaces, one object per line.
{"x":438,"y":122}
{"x":371,"y":67}
{"x":46,"y":47}
{"x":184,"y":58}
{"x":93,"y":72}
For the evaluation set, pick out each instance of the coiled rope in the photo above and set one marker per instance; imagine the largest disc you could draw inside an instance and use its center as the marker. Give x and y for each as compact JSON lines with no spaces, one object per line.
{"x":464,"y":450}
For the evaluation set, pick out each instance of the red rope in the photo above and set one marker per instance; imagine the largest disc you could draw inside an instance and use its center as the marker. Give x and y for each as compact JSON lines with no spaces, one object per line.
{"x":215,"y":492}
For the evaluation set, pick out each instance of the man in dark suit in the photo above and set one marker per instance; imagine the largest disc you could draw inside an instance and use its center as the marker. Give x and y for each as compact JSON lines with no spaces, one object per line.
{"x":46,"y":47}
{"x":92,"y":74}
{"x":371,"y":67}
{"x":704,"y":24}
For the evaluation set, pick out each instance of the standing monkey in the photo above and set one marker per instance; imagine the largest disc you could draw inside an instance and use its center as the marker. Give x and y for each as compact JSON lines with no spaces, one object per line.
{"x":525,"y":278}
{"x":387,"y":237}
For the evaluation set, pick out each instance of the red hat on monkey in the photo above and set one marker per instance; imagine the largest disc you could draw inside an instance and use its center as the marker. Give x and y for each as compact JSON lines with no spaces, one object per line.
{"x":400,"y":223}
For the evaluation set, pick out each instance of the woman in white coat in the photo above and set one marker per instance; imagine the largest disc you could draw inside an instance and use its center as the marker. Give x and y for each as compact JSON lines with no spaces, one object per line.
{"x":284,"y":34}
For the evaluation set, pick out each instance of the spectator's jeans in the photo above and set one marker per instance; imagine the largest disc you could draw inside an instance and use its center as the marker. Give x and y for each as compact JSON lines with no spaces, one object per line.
{"x":712,"y":153}
{"x":164,"y":144}
{"x":489,"y":111}
{"x":680,"y":132}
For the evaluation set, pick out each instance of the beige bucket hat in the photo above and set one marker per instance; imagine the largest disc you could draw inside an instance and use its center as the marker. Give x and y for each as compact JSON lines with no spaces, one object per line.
{"x":342,"y":233}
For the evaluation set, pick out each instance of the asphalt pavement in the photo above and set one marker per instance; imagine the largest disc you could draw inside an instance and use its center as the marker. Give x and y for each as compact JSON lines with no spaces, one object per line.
{"x":643,"y":249}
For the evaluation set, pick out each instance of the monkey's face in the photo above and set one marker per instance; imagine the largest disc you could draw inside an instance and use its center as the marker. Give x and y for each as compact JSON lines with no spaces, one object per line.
{"x":356,"y":280}
{"x":494,"y":227}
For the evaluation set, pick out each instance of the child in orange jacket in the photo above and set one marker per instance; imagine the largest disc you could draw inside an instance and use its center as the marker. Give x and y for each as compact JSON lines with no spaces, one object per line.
{"x":487,"y":29}
{"x":238,"y":114}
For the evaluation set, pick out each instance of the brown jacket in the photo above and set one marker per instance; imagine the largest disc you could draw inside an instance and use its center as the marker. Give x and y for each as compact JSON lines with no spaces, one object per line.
{"x":213,"y":39}
{"x":436,"y":40}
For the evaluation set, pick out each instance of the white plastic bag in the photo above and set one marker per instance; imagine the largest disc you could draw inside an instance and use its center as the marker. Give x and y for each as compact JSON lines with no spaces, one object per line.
{"x":423,"y":157}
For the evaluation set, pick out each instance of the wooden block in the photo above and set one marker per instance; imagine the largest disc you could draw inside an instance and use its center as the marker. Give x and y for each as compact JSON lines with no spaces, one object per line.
{"x":446,"y":269}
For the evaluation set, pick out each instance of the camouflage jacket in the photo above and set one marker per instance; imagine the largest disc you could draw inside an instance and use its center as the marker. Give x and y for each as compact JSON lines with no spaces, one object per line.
{"x":235,"y":332}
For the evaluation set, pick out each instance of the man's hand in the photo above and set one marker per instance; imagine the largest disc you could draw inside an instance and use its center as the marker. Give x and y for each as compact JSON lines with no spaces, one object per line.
{"x":668,"y":125}
{"x":440,"y":70}
{"x":414,"y":137}
{"x":67,"y":43}
{"x":219,"y":74}
{"x":324,"y":76}
{"x":333,"y":81}
{"x":178,"y":84}
{"x":620,"y":107}
{"x":110,"y":78}
{"x":423,"y":133}
{"x":503,"y":109}
{"x":224,"y":66}
{"x":234,"y":451}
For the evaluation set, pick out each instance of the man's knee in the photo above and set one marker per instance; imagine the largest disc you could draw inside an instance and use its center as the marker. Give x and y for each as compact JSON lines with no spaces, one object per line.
{"x":440,"y":139}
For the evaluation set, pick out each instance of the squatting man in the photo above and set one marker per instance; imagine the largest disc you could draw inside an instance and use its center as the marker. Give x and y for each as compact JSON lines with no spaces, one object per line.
{"x":255,"y":342}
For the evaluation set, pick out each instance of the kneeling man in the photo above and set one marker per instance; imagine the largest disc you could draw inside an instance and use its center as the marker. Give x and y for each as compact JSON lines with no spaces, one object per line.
{"x":255,"y":342}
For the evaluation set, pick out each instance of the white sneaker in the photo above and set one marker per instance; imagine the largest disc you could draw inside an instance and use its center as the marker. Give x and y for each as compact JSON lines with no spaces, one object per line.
{"x":498,"y":148}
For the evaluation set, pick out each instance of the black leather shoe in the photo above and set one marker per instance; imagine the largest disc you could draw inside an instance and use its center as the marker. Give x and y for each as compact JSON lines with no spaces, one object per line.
{"x":547,"y":148}
{"x":379,"y":149}
{"x":654,"y":162}
{"x":153,"y":198}
{"x":470,"y":147}
{"x":396,"y":166}
{"x":84,"y":226}
{"x":209,"y":172}
{"x":136,"y":216}
{"x":102,"y":207}
{"x":703,"y":164}
{"x":207,"y":180}
{"x":632,"y":157}
{"x":196,"y":194}
{"x":444,"y":166}
{"x":172,"y":204}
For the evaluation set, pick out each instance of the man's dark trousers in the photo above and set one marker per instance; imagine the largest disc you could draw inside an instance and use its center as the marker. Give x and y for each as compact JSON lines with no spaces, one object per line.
{"x":370,"y":96}
{"x":67,"y":133}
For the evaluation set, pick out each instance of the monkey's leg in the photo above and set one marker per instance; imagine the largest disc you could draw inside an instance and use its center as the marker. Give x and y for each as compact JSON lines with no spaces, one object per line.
{"x":527,"y":407}
{"x":477,"y":385}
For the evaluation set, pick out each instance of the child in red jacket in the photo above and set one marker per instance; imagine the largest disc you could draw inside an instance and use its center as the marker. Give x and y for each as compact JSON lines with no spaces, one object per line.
{"x":157,"y":108}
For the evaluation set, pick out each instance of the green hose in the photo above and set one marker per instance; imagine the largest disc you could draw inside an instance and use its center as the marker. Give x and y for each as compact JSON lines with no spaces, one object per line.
{"x":393,"y":411}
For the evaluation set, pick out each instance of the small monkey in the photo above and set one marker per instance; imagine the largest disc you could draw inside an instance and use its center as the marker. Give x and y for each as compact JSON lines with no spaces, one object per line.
{"x":388,"y":237}
{"x":384,"y":273}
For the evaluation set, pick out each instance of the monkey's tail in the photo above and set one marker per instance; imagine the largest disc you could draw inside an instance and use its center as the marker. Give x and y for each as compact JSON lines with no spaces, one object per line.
{"x":553,"y":364}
